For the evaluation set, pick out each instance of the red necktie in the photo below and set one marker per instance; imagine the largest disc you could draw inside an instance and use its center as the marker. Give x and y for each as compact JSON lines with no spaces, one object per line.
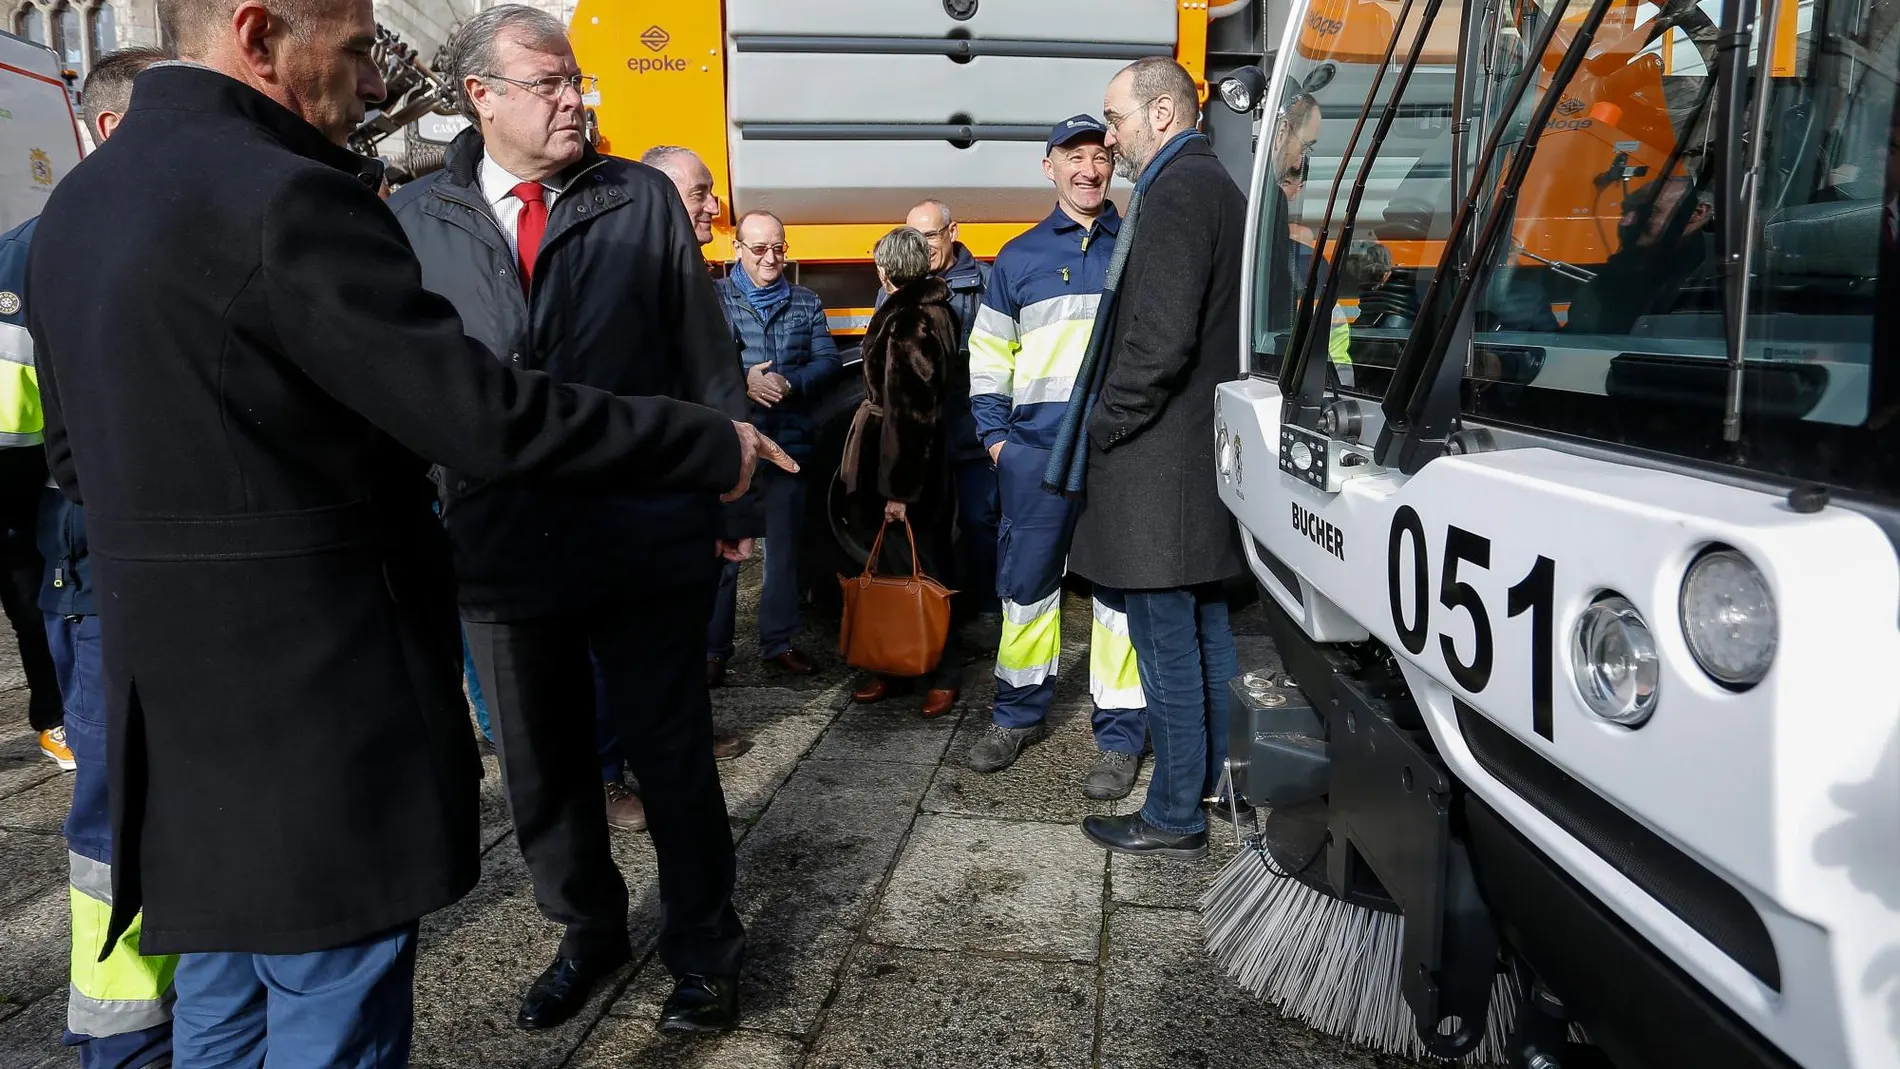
{"x":532,"y":223}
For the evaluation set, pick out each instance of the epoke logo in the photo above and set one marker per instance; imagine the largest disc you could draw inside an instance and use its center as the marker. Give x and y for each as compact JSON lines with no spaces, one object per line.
{"x":1570,"y":106}
{"x":656,"y":38}
{"x":42,"y":166}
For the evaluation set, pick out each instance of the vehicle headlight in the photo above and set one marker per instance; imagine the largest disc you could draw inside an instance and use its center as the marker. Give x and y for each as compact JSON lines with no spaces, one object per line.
{"x":1243,"y":89}
{"x":1614,"y":660}
{"x":1729,"y":619}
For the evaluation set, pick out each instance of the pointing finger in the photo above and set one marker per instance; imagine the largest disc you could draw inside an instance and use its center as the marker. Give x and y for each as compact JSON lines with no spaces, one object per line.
{"x":771,"y":450}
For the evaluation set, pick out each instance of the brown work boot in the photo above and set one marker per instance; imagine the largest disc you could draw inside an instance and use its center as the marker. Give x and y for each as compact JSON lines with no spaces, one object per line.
{"x":625,"y":811}
{"x":728,"y":744}
{"x":874,"y":689}
{"x":794,"y":662}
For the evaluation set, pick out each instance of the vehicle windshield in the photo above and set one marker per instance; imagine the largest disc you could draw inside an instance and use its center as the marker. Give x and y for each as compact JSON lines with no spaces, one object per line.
{"x":1603,"y":316}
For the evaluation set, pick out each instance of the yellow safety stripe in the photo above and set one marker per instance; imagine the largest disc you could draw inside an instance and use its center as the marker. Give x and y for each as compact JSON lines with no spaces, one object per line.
{"x":993,"y":346}
{"x":1114,"y":674}
{"x":1031,"y":645}
{"x":127,"y":991}
{"x":1339,"y":343}
{"x":21,"y":420}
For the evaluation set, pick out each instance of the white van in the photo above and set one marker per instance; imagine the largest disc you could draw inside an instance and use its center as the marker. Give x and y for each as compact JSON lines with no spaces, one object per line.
{"x":39,"y":134}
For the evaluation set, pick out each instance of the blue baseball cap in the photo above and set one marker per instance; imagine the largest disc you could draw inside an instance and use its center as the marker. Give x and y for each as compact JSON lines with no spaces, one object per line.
{"x":1074,"y":127}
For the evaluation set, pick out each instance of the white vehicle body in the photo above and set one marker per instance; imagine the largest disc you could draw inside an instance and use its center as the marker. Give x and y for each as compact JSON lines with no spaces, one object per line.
{"x":1473,"y":572}
{"x":39,"y":134}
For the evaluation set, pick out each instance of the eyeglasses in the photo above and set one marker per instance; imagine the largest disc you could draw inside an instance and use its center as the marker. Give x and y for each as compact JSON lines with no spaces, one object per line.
{"x":934,"y":236}
{"x":1115,"y":121}
{"x":551,"y":86}
{"x":761,"y":251}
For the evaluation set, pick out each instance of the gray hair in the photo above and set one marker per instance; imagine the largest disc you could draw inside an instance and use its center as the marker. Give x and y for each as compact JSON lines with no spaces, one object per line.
{"x":471,"y":52}
{"x":940,"y":206}
{"x":904,"y":256}
{"x":658,"y":155}
{"x":193,"y":25}
{"x":1161,"y":76}
{"x":108,"y":85}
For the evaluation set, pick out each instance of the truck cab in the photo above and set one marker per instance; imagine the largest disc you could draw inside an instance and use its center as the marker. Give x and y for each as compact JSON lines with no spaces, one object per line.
{"x":39,"y":133}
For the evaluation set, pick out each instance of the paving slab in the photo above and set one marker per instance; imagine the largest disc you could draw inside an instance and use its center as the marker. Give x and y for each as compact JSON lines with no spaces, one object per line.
{"x":1169,"y":1005}
{"x":783,"y":725}
{"x":34,"y":865}
{"x":626,"y":1043}
{"x":22,"y":768}
{"x":1044,"y":783}
{"x":35,"y":953}
{"x":995,"y":887}
{"x":29,"y":1038}
{"x":41,"y":808}
{"x":808,"y":876}
{"x":1165,"y":884}
{"x":922,"y":1009}
{"x":891,"y":730}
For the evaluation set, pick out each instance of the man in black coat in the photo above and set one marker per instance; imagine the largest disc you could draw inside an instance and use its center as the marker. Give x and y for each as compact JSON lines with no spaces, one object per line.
{"x":585,"y":266}
{"x":1152,"y":526}
{"x":293,"y":776}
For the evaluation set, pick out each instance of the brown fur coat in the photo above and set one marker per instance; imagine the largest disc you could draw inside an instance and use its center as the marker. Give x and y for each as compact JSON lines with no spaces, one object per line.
{"x":895,"y":442}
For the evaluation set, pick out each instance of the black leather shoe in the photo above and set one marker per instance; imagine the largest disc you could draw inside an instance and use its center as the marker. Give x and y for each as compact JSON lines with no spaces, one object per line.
{"x":562,"y":989}
{"x":1222,"y":810}
{"x":1133,"y":835}
{"x":701,"y":1004}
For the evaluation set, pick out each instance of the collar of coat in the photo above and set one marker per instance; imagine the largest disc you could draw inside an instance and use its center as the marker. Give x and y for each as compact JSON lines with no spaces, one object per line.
{"x":926,"y":290}
{"x":462,"y":162}
{"x":1059,"y":221}
{"x":192,"y":87}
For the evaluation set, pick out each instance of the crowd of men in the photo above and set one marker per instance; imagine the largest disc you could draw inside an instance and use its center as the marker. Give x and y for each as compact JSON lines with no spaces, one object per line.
{"x":320,"y":430}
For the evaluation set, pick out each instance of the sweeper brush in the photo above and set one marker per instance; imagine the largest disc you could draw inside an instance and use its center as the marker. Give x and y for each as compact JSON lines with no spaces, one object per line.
{"x":1323,"y":960}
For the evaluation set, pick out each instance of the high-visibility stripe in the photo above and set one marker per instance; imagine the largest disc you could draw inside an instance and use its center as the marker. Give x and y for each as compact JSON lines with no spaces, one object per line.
{"x":1043,"y":391}
{"x":125,"y":992}
{"x":20,"y":401}
{"x":984,"y":381}
{"x":1114,"y":674}
{"x":16,"y":345}
{"x":1031,"y":646}
{"x":1068,"y":308}
{"x":1056,"y":349}
{"x":993,"y":347}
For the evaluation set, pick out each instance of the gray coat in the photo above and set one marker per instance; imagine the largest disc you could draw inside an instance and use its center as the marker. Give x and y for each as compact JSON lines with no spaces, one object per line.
{"x":1152,"y":518}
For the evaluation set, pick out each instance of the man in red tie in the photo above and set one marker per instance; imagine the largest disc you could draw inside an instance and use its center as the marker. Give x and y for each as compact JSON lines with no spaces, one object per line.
{"x":586,"y":267}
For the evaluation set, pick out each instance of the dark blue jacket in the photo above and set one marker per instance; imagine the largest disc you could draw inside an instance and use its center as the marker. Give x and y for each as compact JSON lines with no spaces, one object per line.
{"x":66,"y":586}
{"x":621,"y":302}
{"x":967,"y":278}
{"x":796,"y":341}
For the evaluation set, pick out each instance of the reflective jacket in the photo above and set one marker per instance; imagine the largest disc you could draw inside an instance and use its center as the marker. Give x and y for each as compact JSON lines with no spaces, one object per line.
{"x":1033,"y":328}
{"x":21,"y":422}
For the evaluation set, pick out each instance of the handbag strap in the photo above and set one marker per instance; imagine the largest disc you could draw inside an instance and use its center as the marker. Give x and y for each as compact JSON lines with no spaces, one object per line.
{"x":877,"y":545}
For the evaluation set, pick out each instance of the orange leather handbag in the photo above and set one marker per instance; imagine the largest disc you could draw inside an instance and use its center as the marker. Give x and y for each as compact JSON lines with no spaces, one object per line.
{"x":894,"y":625}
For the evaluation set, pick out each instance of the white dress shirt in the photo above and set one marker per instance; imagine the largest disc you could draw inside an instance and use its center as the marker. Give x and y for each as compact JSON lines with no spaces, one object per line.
{"x":498,"y":186}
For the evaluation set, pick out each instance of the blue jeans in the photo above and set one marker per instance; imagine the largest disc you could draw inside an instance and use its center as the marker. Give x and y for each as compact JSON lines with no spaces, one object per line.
{"x":347,"y":1008}
{"x":74,"y":644}
{"x":778,"y":601}
{"x":1185,"y":649}
{"x":475,"y":691}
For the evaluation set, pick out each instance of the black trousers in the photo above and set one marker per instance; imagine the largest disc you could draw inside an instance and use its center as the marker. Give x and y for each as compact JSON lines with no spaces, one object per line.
{"x":540,"y":691}
{"x":22,"y":569}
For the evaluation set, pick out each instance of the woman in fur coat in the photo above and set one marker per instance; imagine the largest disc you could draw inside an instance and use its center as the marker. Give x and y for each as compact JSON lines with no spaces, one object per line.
{"x":896,"y":461}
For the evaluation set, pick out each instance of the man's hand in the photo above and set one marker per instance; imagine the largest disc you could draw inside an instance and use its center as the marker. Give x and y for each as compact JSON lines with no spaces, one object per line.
{"x":894,"y":512}
{"x":996,"y":453}
{"x":780,"y":383}
{"x":735,"y":549}
{"x":752,"y":446}
{"x":764,"y":386}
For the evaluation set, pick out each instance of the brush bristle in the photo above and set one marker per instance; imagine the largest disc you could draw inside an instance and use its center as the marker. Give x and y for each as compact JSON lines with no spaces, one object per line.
{"x":1326,"y":961}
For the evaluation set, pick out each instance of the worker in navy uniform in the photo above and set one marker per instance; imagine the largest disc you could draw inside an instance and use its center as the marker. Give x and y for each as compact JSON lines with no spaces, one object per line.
{"x":293,"y":778}
{"x":585,"y":267}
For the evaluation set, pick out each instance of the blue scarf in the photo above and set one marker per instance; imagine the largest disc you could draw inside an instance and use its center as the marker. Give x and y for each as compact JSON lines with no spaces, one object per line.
{"x":764,"y":299}
{"x":1067,"y":472}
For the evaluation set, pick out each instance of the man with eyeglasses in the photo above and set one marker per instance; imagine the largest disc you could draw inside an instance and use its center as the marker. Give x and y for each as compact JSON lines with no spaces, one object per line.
{"x":586,"y":267}
{"x":786,"y":348}
{"x":978,"y":510}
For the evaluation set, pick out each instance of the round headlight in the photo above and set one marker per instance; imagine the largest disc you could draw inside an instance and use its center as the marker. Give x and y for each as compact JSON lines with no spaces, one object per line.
{"x":1728,"y":617}
{"x":1236,"y":94}
{"x":1614,"y":658}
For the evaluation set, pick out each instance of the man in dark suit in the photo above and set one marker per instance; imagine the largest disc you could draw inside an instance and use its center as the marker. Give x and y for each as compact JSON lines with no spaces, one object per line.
{"x":1152,"y":528}
{"x":293,"y":778}
{"x":585,"y":266}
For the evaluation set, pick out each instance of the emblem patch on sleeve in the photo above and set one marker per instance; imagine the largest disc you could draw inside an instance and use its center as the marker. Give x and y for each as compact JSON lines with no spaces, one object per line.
{"x":9,"y":303}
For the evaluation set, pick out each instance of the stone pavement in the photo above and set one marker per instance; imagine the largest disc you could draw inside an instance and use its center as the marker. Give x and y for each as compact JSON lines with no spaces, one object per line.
{"x":901,"y":910}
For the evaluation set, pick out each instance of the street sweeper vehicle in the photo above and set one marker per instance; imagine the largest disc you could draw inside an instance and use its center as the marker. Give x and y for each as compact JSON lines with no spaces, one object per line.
{"x":1569,"y":472}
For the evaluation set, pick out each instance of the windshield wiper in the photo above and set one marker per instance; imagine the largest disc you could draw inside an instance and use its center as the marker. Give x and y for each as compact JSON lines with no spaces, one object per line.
{"x":1423,"y":397}
{"x":1740,"y":187}
{"x":1303,"y":368}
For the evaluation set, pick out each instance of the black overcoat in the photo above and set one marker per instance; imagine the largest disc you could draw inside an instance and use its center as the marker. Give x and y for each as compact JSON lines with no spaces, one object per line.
{"x":1151,"y":515}
{"x":621,"y":300}
{"x":245,"y":383}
